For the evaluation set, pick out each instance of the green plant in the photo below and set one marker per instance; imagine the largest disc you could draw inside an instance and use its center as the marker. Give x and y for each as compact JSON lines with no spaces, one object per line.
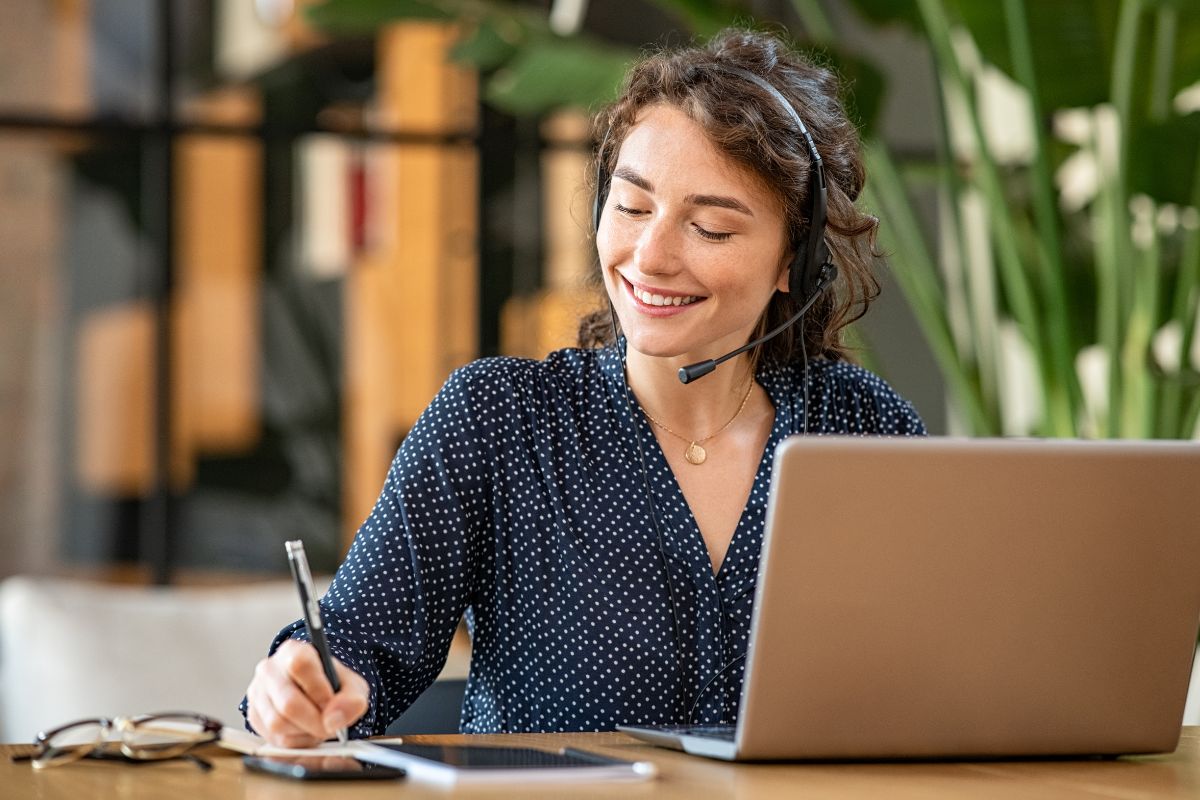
{"x":1050,"y":310}
{"x":1096,"y":289}
{"x":528,"y":69}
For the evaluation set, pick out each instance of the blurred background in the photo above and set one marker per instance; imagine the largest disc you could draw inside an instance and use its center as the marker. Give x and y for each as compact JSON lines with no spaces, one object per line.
{"x":242,"y":252}
{"x":245,"y":241}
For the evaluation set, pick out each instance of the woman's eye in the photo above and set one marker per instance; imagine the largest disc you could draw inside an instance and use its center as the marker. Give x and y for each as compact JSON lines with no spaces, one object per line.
{"x":711,"y":235}
{"x":633,"y":212}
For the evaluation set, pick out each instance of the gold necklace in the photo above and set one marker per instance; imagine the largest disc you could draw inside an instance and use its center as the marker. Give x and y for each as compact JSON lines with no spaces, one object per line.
{"x":695,"y":454}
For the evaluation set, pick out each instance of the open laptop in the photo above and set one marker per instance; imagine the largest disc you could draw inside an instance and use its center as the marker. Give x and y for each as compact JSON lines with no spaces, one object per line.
{"x":943,"y":598}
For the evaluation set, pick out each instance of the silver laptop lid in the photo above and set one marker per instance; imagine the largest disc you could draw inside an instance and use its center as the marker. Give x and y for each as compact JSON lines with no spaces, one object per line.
{"x":938,"y":597}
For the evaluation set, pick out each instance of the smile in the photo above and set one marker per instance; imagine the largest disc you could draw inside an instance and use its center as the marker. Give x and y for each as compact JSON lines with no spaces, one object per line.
{"x":651,"y":299}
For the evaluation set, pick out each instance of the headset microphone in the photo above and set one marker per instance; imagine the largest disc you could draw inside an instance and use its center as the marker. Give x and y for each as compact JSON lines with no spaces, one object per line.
{"x":701,"y":368}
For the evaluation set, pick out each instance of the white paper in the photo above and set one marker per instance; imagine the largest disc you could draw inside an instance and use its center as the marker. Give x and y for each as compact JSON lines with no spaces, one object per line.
{"x":252,"y":744}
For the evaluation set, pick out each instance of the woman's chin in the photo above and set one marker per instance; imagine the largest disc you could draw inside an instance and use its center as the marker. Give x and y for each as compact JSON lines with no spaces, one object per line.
{"x":673,"y":351}
{"x":655,"y":349}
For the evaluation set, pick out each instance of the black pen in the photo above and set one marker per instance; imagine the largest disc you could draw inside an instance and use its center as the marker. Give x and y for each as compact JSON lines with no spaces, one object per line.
{"x":312,"y":615}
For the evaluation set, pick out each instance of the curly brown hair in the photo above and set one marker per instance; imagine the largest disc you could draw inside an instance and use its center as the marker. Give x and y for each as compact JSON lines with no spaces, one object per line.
{"x":747,"y":123}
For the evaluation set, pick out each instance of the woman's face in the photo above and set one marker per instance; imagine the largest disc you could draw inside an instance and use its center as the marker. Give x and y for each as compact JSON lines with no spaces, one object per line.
{"x":692,"y":245}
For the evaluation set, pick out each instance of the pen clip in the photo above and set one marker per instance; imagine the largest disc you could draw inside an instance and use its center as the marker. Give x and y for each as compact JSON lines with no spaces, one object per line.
{"x":299,"y":563}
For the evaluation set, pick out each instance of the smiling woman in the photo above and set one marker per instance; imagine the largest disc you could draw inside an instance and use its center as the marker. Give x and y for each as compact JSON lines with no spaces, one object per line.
{"x":752,"y":137}
{"x":690,"y":237}
{"x":598,"y":521}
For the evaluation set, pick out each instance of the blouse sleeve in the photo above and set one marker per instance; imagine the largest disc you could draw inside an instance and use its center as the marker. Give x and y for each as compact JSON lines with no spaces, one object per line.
{"x":396,"y":600}
{"x":855,"y":401}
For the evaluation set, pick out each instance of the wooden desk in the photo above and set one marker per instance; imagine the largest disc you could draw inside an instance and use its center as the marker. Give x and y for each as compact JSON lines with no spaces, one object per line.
{"x":1146,"y":778}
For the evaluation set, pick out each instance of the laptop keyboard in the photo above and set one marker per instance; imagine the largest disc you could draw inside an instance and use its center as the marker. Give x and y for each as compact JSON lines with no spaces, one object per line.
{"x":723,"y":732}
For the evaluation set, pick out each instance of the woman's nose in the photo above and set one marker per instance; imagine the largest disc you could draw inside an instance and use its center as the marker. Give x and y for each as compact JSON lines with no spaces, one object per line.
{"x":657,"y":250}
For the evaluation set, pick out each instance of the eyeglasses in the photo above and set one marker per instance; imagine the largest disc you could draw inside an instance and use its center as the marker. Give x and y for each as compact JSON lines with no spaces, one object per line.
{"x":148,"y":737}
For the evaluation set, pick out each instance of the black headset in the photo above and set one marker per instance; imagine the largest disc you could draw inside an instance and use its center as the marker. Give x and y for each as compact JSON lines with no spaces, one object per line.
{"x":811,"y":270}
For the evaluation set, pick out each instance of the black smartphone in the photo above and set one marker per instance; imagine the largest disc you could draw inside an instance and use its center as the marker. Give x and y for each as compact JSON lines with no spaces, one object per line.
{"x":321,"y":768}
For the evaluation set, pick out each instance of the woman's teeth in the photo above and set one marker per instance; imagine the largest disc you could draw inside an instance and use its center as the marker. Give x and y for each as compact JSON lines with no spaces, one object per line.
{"x":658,"y":300}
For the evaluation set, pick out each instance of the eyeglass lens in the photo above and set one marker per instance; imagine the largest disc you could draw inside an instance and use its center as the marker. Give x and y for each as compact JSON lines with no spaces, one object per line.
{"x":149,"y":737}
{"x":70,"y":742}
{"x":165,"y":735}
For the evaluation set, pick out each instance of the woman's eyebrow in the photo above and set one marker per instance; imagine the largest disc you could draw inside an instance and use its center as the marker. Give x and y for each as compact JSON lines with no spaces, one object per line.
{"x":626,"y":174}
{"x":719,"y":201}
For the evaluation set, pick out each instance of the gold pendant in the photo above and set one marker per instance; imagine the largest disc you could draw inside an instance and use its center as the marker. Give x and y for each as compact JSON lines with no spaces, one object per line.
{"x":695,"y":454}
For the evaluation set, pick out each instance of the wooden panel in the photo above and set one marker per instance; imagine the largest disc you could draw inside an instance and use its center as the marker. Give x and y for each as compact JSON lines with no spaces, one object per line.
{"x":419,"y":90}
{"x":371,"y":380}
{"x":115,"y":400}
{"x":217,"y":303}
{"x":45,"y":52}
{"x":215,"y":334}
{"x":566,"y":202}
{"x":72,"y":55}
{"x":414,"y":268}
{"x":412,"y":310}
{"x":411,"y":301}
{"x":434,"y":269}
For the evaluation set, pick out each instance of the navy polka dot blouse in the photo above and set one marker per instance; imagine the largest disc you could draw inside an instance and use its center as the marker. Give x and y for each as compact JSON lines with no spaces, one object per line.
{"x":519,"y":500}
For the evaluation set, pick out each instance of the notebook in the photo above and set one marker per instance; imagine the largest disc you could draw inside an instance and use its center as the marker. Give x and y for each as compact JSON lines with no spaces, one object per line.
{"x":945,"y":598}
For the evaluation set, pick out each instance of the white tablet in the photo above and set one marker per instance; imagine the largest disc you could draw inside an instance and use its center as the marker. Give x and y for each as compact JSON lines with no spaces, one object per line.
{"x":485,"y":764}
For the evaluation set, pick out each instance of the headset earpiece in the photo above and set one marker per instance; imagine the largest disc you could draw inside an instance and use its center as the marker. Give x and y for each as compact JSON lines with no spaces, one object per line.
{"x":809,"y":268}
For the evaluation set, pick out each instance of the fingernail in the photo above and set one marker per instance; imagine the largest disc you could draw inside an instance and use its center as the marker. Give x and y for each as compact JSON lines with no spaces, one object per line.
{"x":334,"y":721}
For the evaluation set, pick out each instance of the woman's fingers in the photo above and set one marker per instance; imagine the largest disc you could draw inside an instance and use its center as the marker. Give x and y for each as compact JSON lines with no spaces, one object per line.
{"x":291,"y":702}
{"x":349,"y":704}
{"x":303,"y":666}
{"x":270,"y":723}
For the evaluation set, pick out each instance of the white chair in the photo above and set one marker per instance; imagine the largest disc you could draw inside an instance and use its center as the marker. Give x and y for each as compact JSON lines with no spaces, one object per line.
{"x":70,"y":649}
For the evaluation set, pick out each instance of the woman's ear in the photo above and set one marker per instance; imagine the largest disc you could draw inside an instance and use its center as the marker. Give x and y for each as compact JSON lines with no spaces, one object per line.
{"x":783,"y":283}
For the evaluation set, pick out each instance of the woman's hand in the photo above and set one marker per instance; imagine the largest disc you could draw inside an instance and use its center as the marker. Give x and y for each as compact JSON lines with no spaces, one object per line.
{"x":290,"y":701}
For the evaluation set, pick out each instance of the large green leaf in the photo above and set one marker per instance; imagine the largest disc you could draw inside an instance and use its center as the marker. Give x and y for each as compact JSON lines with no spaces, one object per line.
{"x":1163,"y":159}
{"x":492,"y":42}
{"x":550,"y":72}
{"x":1072,"y":44}
{"x":1072,"y":41}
